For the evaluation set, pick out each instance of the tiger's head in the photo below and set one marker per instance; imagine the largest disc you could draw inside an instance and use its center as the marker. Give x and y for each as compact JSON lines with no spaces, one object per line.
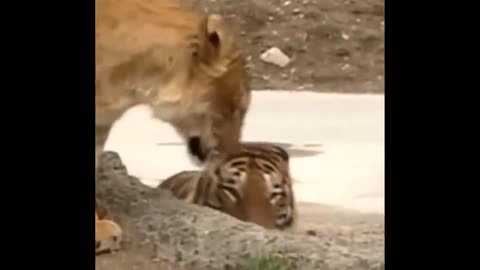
{"x":258,"y":183}
{"x":254,"y":186}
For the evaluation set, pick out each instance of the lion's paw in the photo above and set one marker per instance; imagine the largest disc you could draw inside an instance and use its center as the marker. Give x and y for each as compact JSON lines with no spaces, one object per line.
{"x":108,"y":236}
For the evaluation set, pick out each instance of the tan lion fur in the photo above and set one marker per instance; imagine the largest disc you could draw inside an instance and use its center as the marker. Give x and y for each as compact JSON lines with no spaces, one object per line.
{"x":183,"y":63}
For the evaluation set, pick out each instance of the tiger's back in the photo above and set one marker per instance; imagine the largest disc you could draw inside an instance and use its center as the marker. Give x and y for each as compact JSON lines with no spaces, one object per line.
{"x":182,"y":184}
{"x":253,"y":185}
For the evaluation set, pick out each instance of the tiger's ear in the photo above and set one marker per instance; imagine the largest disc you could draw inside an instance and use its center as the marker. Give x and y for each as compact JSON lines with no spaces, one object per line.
{"x":215,"y":38}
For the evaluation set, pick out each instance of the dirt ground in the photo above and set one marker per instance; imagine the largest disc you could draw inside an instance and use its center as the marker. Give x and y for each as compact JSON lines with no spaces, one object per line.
{"x":334,"y":45}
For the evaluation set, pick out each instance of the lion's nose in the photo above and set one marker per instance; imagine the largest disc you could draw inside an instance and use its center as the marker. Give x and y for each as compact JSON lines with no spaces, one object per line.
{"x":195,"y":148}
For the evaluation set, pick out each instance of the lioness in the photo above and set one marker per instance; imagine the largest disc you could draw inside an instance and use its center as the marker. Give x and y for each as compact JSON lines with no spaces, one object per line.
{"x":184,"y":63}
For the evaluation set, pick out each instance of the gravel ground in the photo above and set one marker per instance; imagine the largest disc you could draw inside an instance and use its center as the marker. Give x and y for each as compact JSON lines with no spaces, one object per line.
{"x":334,"y":45}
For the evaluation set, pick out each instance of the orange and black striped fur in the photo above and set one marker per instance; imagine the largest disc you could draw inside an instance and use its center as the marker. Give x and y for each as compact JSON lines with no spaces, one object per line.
{"x":253,"y":185}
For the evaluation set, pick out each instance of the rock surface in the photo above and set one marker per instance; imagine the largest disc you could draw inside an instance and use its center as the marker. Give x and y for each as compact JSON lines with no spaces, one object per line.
{"x":164,"y":233}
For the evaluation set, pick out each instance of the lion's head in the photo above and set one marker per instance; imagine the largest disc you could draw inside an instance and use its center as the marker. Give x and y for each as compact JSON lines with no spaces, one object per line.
{"x":218,"y":89}
{"x":186,"y":64}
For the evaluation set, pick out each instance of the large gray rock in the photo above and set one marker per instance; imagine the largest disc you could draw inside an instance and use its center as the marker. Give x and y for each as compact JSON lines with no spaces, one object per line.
{"x":161,"y":230}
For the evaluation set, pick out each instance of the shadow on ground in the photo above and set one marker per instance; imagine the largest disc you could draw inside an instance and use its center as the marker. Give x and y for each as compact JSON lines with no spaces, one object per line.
{"x":305,"y":150}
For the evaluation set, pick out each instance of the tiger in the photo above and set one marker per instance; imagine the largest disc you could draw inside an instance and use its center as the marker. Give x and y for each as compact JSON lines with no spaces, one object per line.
{"x":253,"y":185}
{"x":185,"y":64}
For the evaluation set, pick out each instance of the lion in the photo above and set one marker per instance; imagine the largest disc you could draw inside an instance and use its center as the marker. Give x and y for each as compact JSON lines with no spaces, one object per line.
{"x":183,"y":63}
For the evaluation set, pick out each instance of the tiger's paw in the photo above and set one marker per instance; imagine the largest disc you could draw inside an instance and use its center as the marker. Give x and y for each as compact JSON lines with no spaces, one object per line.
{"x":108,"y":236}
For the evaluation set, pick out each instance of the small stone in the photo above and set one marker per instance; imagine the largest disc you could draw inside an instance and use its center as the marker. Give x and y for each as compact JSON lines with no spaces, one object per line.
{"x":345,"y":66}
{"x":275,"y":32}
{"x":275,"y":56}
{"x":305,"y":86}
{"x":301,"y":16}
{"x":270,"y":18}
{"x":296,"y":11}
{"x":345,"y":36}
{"x":286,"y":3}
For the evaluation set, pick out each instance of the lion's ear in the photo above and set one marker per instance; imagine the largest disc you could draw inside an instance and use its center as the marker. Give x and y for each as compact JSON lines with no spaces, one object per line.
{"x":215,"y":39}
{"x":215,"y":30}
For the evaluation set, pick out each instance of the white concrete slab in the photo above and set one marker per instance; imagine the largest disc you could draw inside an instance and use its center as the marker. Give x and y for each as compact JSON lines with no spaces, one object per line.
{"x":348,"y":130}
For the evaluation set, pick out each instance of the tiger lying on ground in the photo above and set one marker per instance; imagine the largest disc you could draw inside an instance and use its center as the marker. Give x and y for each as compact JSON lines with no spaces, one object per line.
{"x":253,"y":186}
{"x":185,"y":64}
